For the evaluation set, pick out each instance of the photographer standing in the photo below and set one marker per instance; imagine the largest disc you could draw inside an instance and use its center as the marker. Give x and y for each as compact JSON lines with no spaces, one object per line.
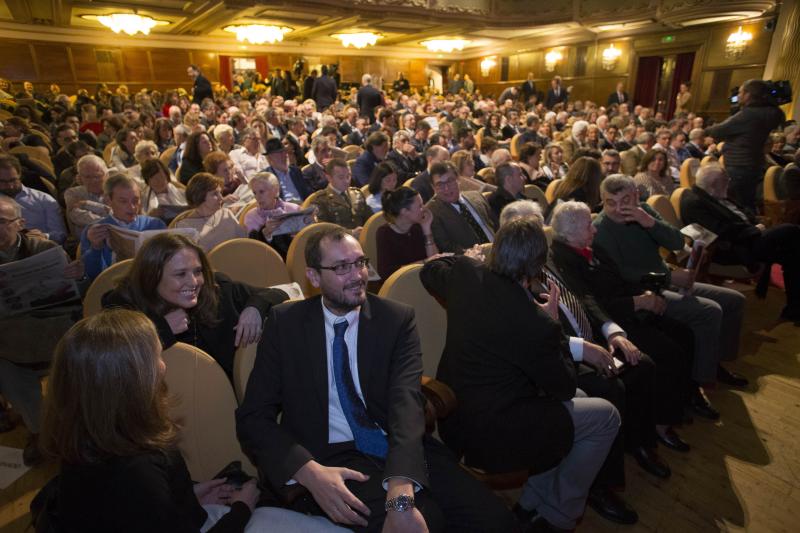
{"x":745,"y":134}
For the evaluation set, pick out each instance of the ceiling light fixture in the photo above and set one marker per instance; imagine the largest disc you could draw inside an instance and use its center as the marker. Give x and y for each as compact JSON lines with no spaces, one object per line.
{"x":258,"y":33}
{"x":551,"y":59}
{"x":444,"y":45}
{"x":737,"y":43}
{"x":610,"y":57}
{"x":360,"y":39}
{"x":130,"y":23}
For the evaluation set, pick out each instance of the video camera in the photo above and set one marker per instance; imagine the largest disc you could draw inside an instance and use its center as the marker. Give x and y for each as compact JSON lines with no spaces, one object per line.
{"x":779,"y":93}
{"x":654,"y":282}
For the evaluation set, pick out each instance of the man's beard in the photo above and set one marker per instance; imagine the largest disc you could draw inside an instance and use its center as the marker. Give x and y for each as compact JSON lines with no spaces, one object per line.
{"x":344,"y":301}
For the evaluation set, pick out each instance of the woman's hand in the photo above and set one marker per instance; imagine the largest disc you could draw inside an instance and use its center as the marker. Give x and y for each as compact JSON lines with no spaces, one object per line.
{"x":426,"y":221}
{"x":214,"y":492}
{"x":270,"y":226}
{"x":178,"y":321}
{"x":550,"y":305}
{"x":248,"y":330}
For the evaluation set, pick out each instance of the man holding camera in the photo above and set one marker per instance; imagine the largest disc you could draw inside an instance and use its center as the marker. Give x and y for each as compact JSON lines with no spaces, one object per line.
{"x":744,"y":134}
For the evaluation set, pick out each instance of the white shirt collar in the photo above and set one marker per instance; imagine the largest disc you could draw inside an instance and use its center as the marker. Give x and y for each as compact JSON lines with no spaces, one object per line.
{"x":331,"y":318}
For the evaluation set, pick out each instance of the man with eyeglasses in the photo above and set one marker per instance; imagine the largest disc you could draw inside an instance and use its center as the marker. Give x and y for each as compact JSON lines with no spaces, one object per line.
{"x":39,"y":209}
{"x":344,"y":371}
{"x":460,"y":220}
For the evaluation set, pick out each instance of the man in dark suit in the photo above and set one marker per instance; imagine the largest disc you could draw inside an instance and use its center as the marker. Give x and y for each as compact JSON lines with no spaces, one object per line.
{"x":296,"y":137}
{"x":460,"y":220}
{"x":619,"y":96}
{"x":368,"y":98}
{"x":314,"y":173}
{"x":324,"y":92}
{"x":403,"y":156}
{"x":202,"y":87}
{"x":740,"y":240}
{"x":308,"y":84}
{"x":510,"y":184}
{"x":358,"y":135}
{"x":376,"y":148}
{"x":528,"y":88}
{"x":294,"y":188}
{"x":509,"y":365}
{"x":556,"y":94}
{"x":343,"y":370}
{"x":696,"y":145}
{"x":422,"y":181}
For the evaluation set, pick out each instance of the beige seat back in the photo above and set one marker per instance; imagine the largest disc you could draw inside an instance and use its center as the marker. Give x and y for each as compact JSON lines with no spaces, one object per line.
{"x":249,"y":261}
{"x":536,"y":194}
{"x":405,"y":286}
{"x":675,"y":200}
{"x":246,"y":209}
{"x":243,"y":364}
{"x":663,"y":207}
{"x":707,"y":159}
{"x":514,"y":146}
{"x":296,"y":259}
{"x":771,"y":178}
{"x":368,"y":236}
{"x":167,"y":154}
{"x":550,"y":192}
{"x":688,"y":171}
{"x":206,"y":406}
{"x":104,"y":282}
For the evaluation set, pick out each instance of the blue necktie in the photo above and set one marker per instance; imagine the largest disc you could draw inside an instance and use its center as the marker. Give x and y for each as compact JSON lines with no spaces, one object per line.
{"x":366,"y":433}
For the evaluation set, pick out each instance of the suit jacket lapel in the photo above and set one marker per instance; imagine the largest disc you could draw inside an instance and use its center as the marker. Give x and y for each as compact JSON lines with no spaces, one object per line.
{"x":366,"y":347}
{"x":315,"y":338}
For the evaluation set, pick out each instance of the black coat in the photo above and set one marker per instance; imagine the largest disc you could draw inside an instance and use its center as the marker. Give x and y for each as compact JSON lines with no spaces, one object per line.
{"x":202,"y":89}
{"x":510,"y":368}
{"x":368,"y":98}
{"x":324,"y":92}
{"x":422,"y":184}
{"x":552,"y":99}
{"x":217,"y":340}
{"x":290,"y":378}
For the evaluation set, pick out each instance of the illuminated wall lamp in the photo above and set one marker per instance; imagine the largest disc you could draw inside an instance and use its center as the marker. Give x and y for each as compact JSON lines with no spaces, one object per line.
{"x":551,"y":59}
{"x":610,"y":57}
{"x":486,"y":66}
{"x":737,"y":43}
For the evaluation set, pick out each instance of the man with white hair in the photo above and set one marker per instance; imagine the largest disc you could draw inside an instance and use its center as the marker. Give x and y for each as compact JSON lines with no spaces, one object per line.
{"x":510,"y":184}
{"x":368,"y":98}
{"x":175,"y":115}
{"x":180,"y":133}
{"x":403,"y":156}
{"x":576,"y":141}
{"x":501,"y":156}
{"x":741,"y":240}
{"x":314,"y":174}
{"x":633,"y":233}
{"x":84,"y":203}
{"x":696,"y":145}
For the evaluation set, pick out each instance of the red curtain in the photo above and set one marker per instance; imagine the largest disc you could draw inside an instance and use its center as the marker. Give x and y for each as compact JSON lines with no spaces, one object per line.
{"x":682,"y":74}
{"x":225,"y":71}
{"x":262,"y":66}
{"x":647,"y":76}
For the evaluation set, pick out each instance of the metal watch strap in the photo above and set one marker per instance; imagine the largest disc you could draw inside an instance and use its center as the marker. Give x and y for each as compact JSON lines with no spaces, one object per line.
{"x":400,"y":504}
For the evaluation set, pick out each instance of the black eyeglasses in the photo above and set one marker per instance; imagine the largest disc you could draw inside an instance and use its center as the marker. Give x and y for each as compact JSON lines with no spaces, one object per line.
{"x":343,"y":269}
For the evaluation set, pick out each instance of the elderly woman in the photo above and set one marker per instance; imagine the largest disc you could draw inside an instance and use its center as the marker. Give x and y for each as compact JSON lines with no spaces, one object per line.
{"x":198,"y":145}
{"x":465,"y":165}
{"x":383,"y":179}
{"x":225,"y":138}
{"x":554,"y":167}
{"x":589,"y":271}
{"x":144,"y":151}
{"x":213,"y":222}
{"x":654,"y":176}
{"x":263,"y":221}
{"x":576,"y":139}
{"x":161,"y":196}
{"x":234,"y":187}
{"x":582,"y":183}
{"x":122,"y":154}
{"x":529,"y":158}
{"x":120,"y":467}
{"x":407,"y":236}
{"x":172,"y":283}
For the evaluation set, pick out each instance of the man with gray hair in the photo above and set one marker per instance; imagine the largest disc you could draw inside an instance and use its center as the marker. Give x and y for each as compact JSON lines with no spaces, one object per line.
{"x":576,"y":140}
{"x":742,"y":241}
{"x":633,"y":157}
{"x":403,"y":156}
{"x":632,"y":233}
{"x":522,"y":209}
{"x":180,"y":133}
{"x":422,"y":181}
{"x":510,"y":184}
{"x":84,"y":203}
{"x":368,"y":98}
{"x":696,"y":145}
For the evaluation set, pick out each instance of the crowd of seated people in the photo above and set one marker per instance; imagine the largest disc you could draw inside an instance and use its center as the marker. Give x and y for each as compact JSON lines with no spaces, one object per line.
{"x":563,"y":356}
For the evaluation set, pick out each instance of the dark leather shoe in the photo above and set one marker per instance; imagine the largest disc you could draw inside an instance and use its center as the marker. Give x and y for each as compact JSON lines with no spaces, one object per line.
{"x":702,"y":407}
{"x":671,"y":440}
{"x":651,"y":462}
{"x":611,"y":506}
{"x":731,"y":378}
{"x":540,"y":525}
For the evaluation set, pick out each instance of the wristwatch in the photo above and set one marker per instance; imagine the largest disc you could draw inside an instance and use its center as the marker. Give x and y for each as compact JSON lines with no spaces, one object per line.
{"x":404,"y":502}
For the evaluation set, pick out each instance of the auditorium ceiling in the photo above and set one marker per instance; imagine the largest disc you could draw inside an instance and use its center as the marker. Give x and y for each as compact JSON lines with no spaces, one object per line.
{"x":493,"y":26}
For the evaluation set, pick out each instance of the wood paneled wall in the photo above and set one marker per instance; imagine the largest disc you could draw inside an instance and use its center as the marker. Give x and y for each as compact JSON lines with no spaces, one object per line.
{"x":81,"y":66}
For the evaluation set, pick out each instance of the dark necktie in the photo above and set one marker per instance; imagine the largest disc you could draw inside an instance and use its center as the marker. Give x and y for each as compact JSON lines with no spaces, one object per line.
{"x":574,"y":306}
{"x":476,"y":227}
{"x":367,"y":435}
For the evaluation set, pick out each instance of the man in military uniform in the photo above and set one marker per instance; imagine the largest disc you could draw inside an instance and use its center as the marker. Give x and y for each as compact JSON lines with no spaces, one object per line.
{"x":338,"y":202}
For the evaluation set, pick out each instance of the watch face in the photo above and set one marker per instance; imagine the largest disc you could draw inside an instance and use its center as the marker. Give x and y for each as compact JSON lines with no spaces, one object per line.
{"x":403,"y":502}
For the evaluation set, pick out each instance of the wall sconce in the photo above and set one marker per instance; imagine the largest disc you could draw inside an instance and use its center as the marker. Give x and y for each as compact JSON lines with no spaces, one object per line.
{"x":486,"y":66}
{"x":551,"y":60}
{"x":737,"y":43}
{"x":610,"y":57}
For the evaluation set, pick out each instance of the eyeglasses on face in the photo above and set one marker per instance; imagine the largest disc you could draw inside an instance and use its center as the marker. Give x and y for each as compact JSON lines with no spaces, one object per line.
{"x":343,"y":269}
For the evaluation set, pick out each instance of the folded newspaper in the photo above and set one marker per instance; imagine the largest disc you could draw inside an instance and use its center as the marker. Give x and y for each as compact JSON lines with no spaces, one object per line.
{"x":294,"y":221}
{"x":126,"y":242}
{"x":696,"y":232}
{"x":36,"y":282}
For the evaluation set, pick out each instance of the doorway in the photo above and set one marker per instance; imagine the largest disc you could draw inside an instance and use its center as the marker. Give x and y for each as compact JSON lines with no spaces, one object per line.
{"x":658,"y":79}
